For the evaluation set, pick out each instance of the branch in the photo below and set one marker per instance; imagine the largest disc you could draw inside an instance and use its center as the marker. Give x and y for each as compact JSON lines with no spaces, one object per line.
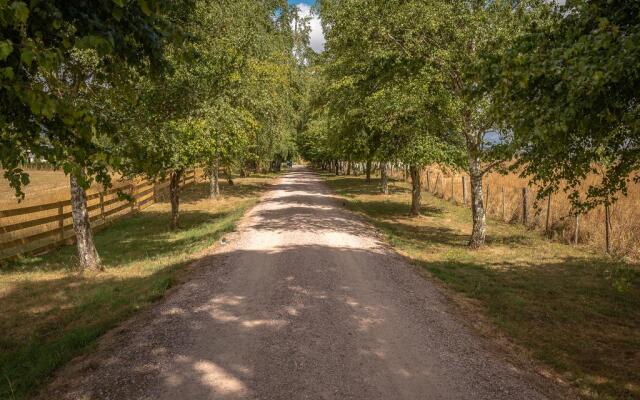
{"x":491,"y":166}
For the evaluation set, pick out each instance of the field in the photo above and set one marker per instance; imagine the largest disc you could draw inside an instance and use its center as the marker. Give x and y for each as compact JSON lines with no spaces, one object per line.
{"x":50,"y":313}
{"x":572,"y":310}
{"x":43,"y":185}
{"x":503,"y":199}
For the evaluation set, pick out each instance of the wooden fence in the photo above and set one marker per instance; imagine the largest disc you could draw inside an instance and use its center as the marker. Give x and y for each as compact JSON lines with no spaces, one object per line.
{"x":41,"y":227}
{"x":553,"y":215}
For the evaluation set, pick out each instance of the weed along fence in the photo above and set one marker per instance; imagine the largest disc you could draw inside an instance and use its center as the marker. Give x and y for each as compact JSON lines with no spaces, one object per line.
{"x":41,"y":227}
{"x":510,"y":199}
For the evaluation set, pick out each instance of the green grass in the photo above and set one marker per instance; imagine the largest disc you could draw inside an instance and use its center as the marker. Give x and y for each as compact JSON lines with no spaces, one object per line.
{"x":51,"y":313}
{"x":574,"y":311}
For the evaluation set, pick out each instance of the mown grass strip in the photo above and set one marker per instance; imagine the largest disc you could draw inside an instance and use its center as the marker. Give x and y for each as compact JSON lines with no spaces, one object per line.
{"x":571,"y":309}
{"x":51,"y":314}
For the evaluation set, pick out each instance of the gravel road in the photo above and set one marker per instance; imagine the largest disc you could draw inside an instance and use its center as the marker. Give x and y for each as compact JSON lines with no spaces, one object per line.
{"x":302,"y":302}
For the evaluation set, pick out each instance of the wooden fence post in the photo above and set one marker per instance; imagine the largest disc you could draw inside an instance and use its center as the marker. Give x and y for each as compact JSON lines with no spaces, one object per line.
{"x":607,"y":229}
{"x":155,"y":193}
{"x":453,"y":197}
{"x":61,"y":222}
{"x":464,"y":191}
{"x":503,"y":210}
{"x":102,"y":206}
{"x":548,"y":221}
{"x":577,"y":230}
{"x":133,"y":197}
{"x":525,"y":205}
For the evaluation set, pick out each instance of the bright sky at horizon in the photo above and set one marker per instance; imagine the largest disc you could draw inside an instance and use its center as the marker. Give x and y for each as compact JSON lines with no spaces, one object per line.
{"x":317,"y":36}
{"x":307,"y":2}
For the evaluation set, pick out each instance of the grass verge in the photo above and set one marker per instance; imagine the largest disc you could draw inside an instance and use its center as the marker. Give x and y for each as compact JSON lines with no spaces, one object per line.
{"x":51,"y":313}
{"x":568,"y":308}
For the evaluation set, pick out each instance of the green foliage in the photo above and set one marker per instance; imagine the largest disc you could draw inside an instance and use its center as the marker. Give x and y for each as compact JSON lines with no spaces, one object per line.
{"x":54,"y":58}
{"x":228,"y":94}
{"x":143,"y":260}
{"x":575,"y":311}
{"x":568,"y":90}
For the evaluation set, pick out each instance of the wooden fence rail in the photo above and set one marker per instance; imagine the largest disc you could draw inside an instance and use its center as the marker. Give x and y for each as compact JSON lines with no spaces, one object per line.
{"x":38,"y":228}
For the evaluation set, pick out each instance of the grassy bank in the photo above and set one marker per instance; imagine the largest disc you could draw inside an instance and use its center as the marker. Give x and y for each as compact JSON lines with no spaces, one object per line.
{"x":50,"y":313}
{"x":571,"y":310}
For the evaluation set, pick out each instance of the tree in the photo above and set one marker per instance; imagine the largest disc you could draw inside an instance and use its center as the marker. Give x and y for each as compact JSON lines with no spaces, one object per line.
{"x":447,"y":40}
{"x":387,"y":91}
{"x":568,"y":93}
{"x":54,"y":58}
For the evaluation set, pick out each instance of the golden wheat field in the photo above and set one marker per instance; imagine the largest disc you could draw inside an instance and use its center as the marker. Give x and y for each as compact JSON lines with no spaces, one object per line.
{"x":503,"y":196}
{"x":46,"y":219}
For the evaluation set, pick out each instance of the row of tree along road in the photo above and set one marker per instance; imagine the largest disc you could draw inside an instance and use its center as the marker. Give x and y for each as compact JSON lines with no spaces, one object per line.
{"x":546,"y":91}
{"x":147,"y":88}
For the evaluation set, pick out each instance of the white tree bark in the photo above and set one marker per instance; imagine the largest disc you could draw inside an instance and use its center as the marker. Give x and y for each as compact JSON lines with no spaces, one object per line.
{"x":87,"y":253}
{"x":479,"y":231}
{"x":416,"y":189}
{"x":174,"y":194}
{"x":214,"y":190}
{"x":384,"y":179}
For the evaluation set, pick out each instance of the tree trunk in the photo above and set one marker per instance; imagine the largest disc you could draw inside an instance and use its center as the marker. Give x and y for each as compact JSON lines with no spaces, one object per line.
{"x":214,"y":190}
{"x":87,"y":253}
{"x":416,"y":189}
{"x":227,"y":172}
{"x":368,"y":167}
{"x":607,"y":222}
{"x":243,"y":173}
{"x":337,"y":163}
{"x":479,"y":232}
{"x":174,"y":194}
{"x":384,"y":179}
{"x":348,"y":168}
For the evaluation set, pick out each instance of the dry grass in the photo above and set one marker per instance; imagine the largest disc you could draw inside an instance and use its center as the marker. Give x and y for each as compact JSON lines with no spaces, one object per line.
{"x":48,"y":187}
{"x":576,"y":312}
{"x":507,"y":190}
{"x":42,"y":184}
{"x":50,"y":313}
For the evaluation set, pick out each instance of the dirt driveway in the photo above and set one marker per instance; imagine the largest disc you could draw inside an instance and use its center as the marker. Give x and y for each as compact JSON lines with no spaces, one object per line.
{"x":303,"y":302}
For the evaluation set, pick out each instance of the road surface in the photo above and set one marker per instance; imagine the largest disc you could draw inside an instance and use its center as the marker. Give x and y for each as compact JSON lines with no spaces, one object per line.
{"x":303,"y":302}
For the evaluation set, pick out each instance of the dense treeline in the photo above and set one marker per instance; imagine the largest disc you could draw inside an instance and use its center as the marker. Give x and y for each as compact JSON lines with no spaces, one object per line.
{"x":545,"y":90}
{"x":148,"y":88}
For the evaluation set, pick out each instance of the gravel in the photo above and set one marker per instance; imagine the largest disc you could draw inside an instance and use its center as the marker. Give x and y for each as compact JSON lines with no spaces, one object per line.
{"x":302,"y":302}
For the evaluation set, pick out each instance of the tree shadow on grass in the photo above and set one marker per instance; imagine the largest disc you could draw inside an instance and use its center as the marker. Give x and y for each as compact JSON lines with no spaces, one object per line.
{"x":579,"y":315}
{"x":48,"y":322}
{"x":186,"y":348}
{"x":393,"y":208}
{"x":201,"y":191}
{"x":143,"y":236}
{"x":354,"y":186}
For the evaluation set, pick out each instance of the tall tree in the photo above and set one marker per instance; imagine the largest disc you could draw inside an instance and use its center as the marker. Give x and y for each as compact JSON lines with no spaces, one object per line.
{"x":568,"y":94}
{"x":54,"y":57}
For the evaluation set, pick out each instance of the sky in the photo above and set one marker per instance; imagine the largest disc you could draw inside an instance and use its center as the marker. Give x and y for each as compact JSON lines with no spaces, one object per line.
{"x":317,"y":37}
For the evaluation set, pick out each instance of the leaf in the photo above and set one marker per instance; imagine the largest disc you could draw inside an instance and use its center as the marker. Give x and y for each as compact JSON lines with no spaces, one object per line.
{"x":144,"y":6}
{"x":7,"y":72}
{"x":6,"y":48}
{"x":20,"y":12}
{"x":27,"y":56}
